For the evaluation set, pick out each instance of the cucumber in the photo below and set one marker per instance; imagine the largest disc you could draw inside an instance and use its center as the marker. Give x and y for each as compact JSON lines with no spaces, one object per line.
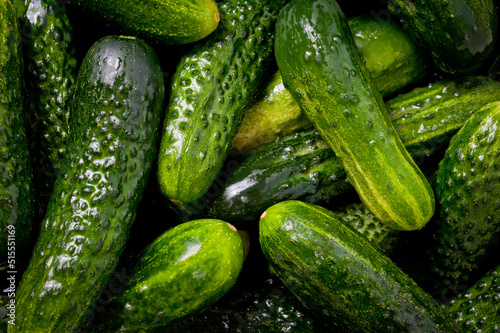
{"x":50,"y":75}
{"x":465,"y":235}
{"x":210,"y":89}
{"x":182,"y":272}
{"x":393,"y":60}
{"x":346,"y":108}
{"x":477,"y":309}
{"x":459,"y":35}
{"x":303,"y":167}
{"x":341,"y":277}
{"x":114,"y":134}
{"x":16,"y":190}
{"x":163,"y":21}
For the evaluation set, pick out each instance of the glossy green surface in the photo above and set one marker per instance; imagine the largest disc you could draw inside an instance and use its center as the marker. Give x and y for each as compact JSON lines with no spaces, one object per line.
{"x":16,"y":190}
{"x":341,"y":277}
{"x":210,"y":89}
{"x":459,"y":35}
{"x":164,"y":21}
{"x":344,"y":105}
{"x":392,"y":59}
{"x":477,"y":309}
{"x":466,"y":232}
{"x":183,"y":271}
{"x":110,"y":153}
{"x":50,"y":75}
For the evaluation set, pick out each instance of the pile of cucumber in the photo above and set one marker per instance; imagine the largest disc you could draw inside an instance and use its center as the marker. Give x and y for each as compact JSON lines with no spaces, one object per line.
{"x":249,"y":166}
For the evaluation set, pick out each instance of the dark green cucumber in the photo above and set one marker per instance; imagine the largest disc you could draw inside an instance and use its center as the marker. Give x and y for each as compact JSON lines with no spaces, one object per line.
{"x":301,"y":167}
{"x":466,"y":232}
{"x":478,"y":308}
{"x":182,"y":272}
{"x":392,"y":59}
{"x":341,"y":277}
{"x":210,"y":89}
{"x":50,"y":72}
{"x":344,"y":105}
{"x":16,"y":190}
{"x":164,"y":21}
{"x":114,"y":130}
{"x":459,"y":35}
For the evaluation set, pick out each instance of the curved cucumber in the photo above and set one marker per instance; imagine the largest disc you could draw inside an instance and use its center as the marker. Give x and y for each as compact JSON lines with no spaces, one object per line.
{"x":182,"y":272}
{"x":210,"y":89}
{"x":16,"y":190}
{"x":391,"y":57}
{"x":341,"y":277}
{"x":112,"y":146}
{"x":164,"y":21}
{"x":458,"y":34}
{"x":344,"y":105}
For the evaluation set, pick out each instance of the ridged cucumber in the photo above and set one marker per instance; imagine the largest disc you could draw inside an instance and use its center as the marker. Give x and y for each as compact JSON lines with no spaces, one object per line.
{"x":16,"y":190}
{"x":164,"y":21}
{"x":344,"y":105}
{"x":114,"y":130}
{"x":392,"y":59}
{"x":182,"y":272}
{"x":341,"y":277}
{"x":459,"y":35}
{"x":210,"y":89}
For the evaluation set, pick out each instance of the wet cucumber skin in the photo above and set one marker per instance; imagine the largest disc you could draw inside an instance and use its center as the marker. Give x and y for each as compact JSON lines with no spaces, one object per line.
{"x":117,"y":109}
{"x":16,"y":190}
{"x":344,"y":105}
{"x":210,"y":89}
{"x":341,"y":277}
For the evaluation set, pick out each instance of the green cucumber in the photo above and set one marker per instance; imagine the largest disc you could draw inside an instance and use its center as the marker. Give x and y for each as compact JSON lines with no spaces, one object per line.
{"x":114,"y":132}
{"x":344,"y":105}
{"x":50,"y":75}
{"x":392,"y":59}
{"x":182,"y":272}
{"x":210,"y":89}
{"x":465,"y":235}
{"x":164,"y":21}
{"x":303,"y":167}
{"x":16,"y":191}
{"x":478,"y":308}
{"x":459,"y":35}
{"x":341,"y":277}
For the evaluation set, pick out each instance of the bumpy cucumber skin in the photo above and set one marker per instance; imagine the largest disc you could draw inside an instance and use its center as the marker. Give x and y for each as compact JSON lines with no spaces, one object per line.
{"x":459,"y":35}
{"x":300,"y":167}
{"x":477,"y":309}
{"x":117,"y":109}
{"x":163,"y":21}
{"x":16,"y":190}
{"x":466,"y":232}
{"x":210,"y":89}
{"x":50,"y":75}
{"x":341,"y":277}
{"x":426,"y":118}
{"x":183,"y":271}
{"x":392,"y":59}
{"x":344,"y":105}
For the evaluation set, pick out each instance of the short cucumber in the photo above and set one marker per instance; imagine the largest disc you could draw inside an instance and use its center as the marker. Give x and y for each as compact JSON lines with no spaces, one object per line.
{"x":114,"y":132}
{"x":466,"y":232}
{"x":302,"y":166}
{"x":182,"y":272}
{"x":164,"y":21}
{"x":458,"y":34}
{"x":210,"y":89}
{"x":16,"y":190}
{"x":393,"y":60}
{"x":344,"y":105}
{"x":341,"y":277}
